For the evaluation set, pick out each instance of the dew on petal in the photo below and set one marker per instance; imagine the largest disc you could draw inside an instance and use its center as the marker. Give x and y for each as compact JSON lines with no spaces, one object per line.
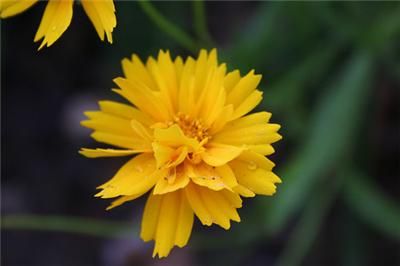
{"x":252,"y":165}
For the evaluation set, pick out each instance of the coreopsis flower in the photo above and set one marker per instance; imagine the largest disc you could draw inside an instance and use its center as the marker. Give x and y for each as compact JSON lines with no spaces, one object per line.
{"x":58,"y":15}
{"x":197,"y":150}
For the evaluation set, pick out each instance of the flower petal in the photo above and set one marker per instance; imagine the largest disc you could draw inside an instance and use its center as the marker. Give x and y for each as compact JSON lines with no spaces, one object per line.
{"x":144,"y":98}
{"x":168,"y":157}
{"x":168,"y":219}
{"x":206,"y":176}
{"x":137,"y":176}
{"x":135,"y":70}
{"x":95,"y":153}
{"x":250,"y":129}
{"x":105,"y":122}
{"x":174,"y":137}
{"x":227,"y":175}
{"x":248,"y":104}
{"x":243,"y":191}
{"x":56,"y":19}
{"x":150,"y":217}
{"x":164,"y":74}
{"x":217,"y":154}
{"x":10,"y":8}
{"x":231,"y":79}
{"x":213,"y":206}
{"x":177,"y":178}
{"x":243,"y":89}
{"x":102,"y":15}
{"x":255,"y":179}
{"x":120,"y":141}
{"x":125,"y":111}
{"x":255,"y":160}
{"x":122,"y":200}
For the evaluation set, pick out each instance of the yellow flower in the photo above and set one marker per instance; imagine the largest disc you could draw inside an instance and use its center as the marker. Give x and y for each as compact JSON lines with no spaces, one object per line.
{"x":58,"y":14}
{"x":199,"y":151}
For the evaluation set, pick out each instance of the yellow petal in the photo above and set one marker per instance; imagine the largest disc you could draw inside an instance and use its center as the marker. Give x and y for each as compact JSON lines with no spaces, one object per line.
{"x":144,"y":98}
{"x":135,"y":70}
{"x":164,"y":74}
{"x":108,"y":123}
{"x":264,"y":149}
{"x":185,"y":221}
{"x":186,"y":94}
{"x":205,"y":62}
{"x":95,"y":153}
{"x":248,"y":104}
{"x":222,"y":119}
{"x":137,"y":176}
{"x":255,"y":160}
{"x":248,"y":121}
{"x":262,"y":133}
{"x":150,"y":217}
{"x":220,"y":208}
{"x":243,"y":191}
{"x":142,"y":131}
{"x":168,"y":157}
{"x":116,"y":130}
{"x":122,"y":200}
{"x":206,"y":176}
{"x":217,"y":154}
{"x":178,"y":67}
{"x":102,"y":15}
{"x":214,"y":97}
{"x":227,"y":175}
{"x":174,"y":137}
{"x":10,"y":8}
{"x":125,"y":111}
{"x":233,"y":198}
{"x":255,"y":179}
{"x":231,"y":79}
{"x":120,"y":141}
{"x":168,"y":219}
{"x":177,"y":178}
{"x":243,"y":89}
{"x":197,"y":204}
{"x":56,"y":19}
{"x":213,"y":206}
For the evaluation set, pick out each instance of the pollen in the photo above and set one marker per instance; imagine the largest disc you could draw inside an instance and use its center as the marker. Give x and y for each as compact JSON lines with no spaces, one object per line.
{"x":193,"y":128}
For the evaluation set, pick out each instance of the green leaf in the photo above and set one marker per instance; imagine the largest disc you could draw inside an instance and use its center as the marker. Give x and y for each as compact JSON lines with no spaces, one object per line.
{"x":256,"y":36}
{"x":330,"y":135}
{"x":200,"y":23}
{"x":286,"y":96}
{"x":308,"y":227}
{"x":372,"y":205}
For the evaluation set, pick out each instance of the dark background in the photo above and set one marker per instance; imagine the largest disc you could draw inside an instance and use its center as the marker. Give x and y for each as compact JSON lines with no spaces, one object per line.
{"x":331,"y":78}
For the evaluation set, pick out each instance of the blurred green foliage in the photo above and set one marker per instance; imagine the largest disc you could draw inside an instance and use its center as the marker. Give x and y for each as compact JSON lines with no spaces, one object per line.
{"x":319,"y":61}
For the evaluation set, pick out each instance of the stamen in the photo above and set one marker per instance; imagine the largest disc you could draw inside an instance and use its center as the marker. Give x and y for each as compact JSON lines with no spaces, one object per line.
{"x":192,"y":128}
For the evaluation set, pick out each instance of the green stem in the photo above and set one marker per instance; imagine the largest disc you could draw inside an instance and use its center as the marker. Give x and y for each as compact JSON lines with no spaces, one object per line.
{"x":168,"y":27}
{"x":200,"y":23}
{"x":55,"y":223}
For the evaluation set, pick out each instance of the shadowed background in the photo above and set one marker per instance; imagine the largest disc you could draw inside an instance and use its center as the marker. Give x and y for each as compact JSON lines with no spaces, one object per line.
{"x":331,"y":78}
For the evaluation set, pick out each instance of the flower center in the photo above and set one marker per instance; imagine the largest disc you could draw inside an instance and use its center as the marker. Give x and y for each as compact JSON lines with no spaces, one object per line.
{"x":192,"y":128}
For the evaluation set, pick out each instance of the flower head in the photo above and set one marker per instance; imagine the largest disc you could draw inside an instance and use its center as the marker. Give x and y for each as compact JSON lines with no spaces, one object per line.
{"x":58,"y":15}
{"x":198,"y":150}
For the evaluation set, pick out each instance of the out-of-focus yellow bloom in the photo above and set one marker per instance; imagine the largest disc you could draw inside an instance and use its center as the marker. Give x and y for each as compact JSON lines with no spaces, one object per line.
{"x":198,"y":150}
{"x":58,"y":14}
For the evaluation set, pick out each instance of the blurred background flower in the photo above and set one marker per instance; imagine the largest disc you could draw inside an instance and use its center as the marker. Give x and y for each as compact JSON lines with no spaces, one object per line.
{"x":58,"y":15}
{"x":331,"y":77}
